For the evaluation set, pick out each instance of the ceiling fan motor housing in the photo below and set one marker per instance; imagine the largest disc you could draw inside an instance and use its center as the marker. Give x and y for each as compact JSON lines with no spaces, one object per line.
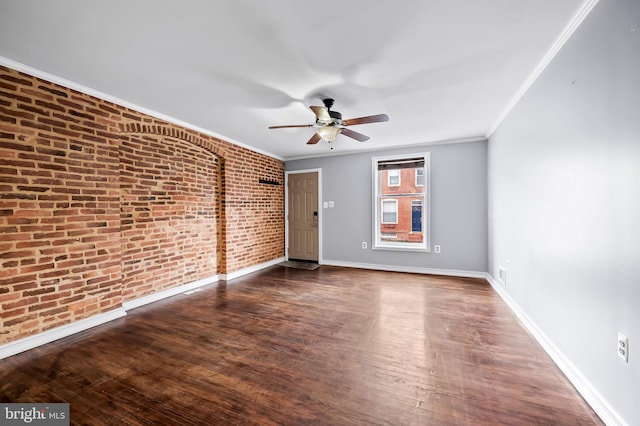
{"x":328,"y":102}
{"x":336,"y":117}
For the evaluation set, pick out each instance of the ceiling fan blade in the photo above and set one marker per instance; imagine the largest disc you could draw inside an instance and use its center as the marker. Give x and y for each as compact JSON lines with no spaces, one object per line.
{"x":322,"y":113}
{"x":355,"y":135}
{"x":314,"y":139}
{"x":364,"y":120}
{"x":290,"y":125}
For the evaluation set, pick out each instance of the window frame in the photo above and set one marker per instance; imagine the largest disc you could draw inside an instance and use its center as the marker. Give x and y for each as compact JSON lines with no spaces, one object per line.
{"x":389,"y":184}
{"x":387,"y":200}
{"x":378,"y":242}
{"x":420,"y":184}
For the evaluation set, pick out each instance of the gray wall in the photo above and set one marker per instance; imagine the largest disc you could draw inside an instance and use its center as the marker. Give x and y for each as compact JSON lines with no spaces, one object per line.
{"x":458,"y":200}
{"x":564,"y":202}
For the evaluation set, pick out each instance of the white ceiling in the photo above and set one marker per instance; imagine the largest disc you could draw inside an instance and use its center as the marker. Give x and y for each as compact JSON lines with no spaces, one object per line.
{"x":441,"y":69}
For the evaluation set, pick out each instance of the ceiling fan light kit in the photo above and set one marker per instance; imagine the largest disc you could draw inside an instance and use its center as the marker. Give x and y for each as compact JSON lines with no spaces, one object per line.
{"x":328,"y":133}
{"x":330,"y":124}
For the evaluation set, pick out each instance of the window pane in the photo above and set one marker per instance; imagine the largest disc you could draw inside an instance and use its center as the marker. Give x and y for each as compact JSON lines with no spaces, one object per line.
{"x":400,"y":186}
{"x":399,"y":215}
{"x":389,"y":211}
{"x":394,"y":177}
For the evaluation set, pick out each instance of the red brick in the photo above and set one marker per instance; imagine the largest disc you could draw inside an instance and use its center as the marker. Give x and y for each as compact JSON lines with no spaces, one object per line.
{"x":23,"y":301}
{"x":143,"y":195}
{"x":21,"y":319}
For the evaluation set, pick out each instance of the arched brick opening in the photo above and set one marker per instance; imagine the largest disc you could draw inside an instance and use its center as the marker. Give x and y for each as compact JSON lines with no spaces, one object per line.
{"x":171,"y":208}
{"x":172,"y":131}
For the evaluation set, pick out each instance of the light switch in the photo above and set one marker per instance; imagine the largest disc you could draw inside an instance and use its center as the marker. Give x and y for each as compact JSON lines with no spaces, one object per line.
{"x":325,"y":204}
{"x":331,"y":204}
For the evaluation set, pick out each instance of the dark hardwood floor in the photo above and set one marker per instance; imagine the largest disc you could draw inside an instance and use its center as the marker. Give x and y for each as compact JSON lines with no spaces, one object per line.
{"x":333,"y":346}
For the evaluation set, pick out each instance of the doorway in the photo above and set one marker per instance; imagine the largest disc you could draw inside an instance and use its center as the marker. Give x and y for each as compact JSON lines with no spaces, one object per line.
{"x":303,"y":215}
{"x":416,"y":216}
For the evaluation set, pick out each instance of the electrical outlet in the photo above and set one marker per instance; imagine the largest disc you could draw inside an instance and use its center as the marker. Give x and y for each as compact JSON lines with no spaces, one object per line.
{"x":502,"y":274}
{"x":623,"y":347}
{"x":364,"y":244}
{"x":436,"y":249}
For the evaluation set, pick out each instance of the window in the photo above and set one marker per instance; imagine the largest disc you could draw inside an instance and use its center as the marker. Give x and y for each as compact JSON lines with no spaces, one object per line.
{"x":389,"y":211}
{"x":401,"y":210}
{"x":420,"y":176}
{"x":393,"y":177}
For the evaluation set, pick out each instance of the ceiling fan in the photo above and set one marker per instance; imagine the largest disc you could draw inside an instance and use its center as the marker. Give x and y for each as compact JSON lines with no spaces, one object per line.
{"x":330,"y":124}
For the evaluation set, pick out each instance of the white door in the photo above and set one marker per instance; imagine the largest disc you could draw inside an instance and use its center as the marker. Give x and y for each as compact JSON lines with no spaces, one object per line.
{"x":303,"y":216}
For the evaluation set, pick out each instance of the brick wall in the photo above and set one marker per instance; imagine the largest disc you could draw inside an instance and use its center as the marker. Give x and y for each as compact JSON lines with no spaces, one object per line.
{"x":100,"y":204}
{"x":168,"y":197}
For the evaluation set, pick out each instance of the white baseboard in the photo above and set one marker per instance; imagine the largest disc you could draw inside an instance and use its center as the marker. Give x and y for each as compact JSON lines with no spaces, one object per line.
{"x":255,"y":268}
{"x":49,"y":336}
{"x":410,"y":269}
{"x":599,"y":404}
{"x":145,"y":300}
{"x":54,"y":334}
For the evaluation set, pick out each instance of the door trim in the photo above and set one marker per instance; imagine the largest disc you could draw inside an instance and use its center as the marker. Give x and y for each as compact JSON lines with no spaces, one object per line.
{"x":286,"y":210}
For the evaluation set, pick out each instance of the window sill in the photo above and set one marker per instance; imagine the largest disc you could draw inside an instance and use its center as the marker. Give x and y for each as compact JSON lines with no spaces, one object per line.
{"x":396,"y":247}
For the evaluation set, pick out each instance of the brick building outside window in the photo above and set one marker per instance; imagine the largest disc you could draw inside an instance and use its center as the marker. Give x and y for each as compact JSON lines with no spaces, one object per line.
{"x":401,"y":207}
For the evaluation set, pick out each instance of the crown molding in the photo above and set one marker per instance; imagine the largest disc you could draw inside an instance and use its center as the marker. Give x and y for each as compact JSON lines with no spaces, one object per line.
{"x":9,"y":63}
{"x":577,"y":19}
